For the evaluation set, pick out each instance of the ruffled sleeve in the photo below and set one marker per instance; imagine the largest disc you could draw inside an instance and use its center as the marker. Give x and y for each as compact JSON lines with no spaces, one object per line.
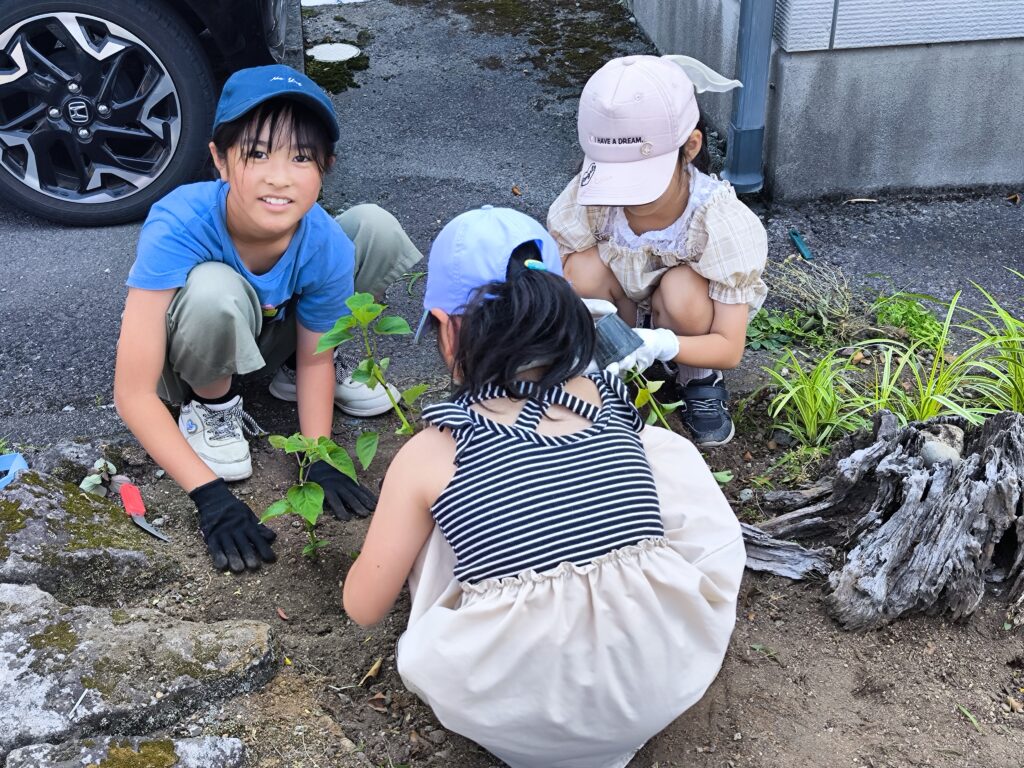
{"x":569,"y":223}
{"x":728,"y":246}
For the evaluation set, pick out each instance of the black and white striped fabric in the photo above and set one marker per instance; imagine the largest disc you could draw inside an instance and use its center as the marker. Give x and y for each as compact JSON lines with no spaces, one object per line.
{"x":522,"y":501}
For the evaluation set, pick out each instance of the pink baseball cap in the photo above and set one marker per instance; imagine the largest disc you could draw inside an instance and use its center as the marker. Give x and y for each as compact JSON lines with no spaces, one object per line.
{"x":635,"y":112}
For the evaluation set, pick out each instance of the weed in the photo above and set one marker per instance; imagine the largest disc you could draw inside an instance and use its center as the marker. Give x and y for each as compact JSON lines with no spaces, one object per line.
{"x":905,"y":311}
{"x":772,"y":330}
{"x":813,"y":404}
{"x":794,"y":467}
{"x":368,"y":317}
{"x":306,"y":498}
{"x":412,"y":277}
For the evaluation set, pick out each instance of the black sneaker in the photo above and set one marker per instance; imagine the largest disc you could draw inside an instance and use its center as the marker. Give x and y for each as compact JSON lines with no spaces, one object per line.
{"x":704,"y":412}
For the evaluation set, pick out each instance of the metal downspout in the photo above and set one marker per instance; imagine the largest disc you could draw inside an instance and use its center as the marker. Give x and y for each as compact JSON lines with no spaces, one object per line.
{"x":743,"y":166}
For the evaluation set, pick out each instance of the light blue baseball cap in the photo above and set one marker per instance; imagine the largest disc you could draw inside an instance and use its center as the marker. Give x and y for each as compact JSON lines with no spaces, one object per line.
{"x":248,"y":88}
{"x":473,"y":249}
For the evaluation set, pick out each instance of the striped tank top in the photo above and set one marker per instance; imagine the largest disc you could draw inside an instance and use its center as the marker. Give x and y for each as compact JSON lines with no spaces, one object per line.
{"x":520,"y":500}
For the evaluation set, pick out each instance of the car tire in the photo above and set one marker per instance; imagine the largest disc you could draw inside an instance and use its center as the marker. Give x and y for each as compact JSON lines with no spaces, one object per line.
{"x":94,"y":135}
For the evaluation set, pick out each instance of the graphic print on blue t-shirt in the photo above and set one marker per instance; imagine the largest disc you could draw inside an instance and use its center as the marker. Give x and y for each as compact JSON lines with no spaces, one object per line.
{"x":188,"y":227}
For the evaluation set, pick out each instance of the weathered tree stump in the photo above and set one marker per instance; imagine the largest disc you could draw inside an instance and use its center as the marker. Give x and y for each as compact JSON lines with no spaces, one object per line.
{"x":929,"y":513}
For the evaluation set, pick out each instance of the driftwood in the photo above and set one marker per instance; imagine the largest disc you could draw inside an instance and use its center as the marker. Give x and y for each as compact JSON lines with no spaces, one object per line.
{"x":784,"y":558}
{"x":932,"y":511}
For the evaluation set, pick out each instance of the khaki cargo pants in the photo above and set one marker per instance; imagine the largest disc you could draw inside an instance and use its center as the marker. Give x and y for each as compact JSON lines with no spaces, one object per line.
{"x":215,"y":325}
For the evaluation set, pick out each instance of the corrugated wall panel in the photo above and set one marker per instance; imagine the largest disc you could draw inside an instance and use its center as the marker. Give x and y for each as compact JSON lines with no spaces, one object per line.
{"x":803,"y":25}
{"x":869,"y":23}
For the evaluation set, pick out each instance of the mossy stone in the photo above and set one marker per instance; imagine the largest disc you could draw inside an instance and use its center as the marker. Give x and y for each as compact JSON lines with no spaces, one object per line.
{"x":151,"y":754}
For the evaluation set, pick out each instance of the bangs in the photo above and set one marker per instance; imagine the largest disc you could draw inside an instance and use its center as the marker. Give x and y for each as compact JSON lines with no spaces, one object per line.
{"x":281,"y":122}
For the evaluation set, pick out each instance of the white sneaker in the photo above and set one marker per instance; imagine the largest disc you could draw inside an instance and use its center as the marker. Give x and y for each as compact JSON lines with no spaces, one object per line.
{"x":218,"y":437}
{"x":350,"y":396}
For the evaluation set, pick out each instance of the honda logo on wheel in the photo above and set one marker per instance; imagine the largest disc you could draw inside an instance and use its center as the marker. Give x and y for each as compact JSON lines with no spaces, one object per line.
{"x":78,"y":112}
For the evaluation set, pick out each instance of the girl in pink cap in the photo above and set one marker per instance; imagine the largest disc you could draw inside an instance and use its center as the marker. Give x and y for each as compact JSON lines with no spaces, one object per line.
{"x":644,"y":225}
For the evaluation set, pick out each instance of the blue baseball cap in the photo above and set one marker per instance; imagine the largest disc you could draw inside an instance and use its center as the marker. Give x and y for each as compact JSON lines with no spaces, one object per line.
{"x":473,"y":249}
{"x":248,"y":88}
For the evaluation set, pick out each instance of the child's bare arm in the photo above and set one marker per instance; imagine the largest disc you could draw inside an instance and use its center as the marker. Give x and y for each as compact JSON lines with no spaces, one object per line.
{"x":314,"y":380}
{"x":141,"y":351}
{"x":400,"y":526}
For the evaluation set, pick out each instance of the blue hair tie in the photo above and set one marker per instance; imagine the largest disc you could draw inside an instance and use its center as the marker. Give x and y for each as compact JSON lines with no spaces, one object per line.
{"x":534,"y":264}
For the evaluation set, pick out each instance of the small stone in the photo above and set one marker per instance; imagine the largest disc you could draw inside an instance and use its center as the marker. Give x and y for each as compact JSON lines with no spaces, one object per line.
{"x":748,"y":456}
{"x":1015,"y":705}
{"x":158,"y":520}
{"x":296,"y":524}
{"x":159,"y":473}
{"x":772,"y":445}
{"x":746,"y":495}
{"x":68,"y":408}
{"x":737,"y":736}
{"x":438,"y":736}
{"x":1005,"y":707}
{"x":857,"y":357}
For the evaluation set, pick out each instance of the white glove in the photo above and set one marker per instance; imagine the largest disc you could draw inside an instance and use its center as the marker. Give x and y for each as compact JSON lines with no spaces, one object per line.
{"x":599,"y":308}
{"x":659,"y":344}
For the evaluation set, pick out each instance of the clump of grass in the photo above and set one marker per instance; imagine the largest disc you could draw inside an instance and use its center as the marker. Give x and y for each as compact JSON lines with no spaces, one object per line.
{"x":336,"y":76}
{"x":815,"y":402}
{"x":906,"y":312}
{"x":1004,"y":333}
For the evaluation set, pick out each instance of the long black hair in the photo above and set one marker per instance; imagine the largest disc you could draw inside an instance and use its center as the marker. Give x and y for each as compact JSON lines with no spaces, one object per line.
{"x":532,"y":319}
{"x":285,"y":120}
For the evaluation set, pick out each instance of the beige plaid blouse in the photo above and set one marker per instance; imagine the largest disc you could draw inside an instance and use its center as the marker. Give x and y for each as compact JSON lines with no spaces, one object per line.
{"x":725,"y":243}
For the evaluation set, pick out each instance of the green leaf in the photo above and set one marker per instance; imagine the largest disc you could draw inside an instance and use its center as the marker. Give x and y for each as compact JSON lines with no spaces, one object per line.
{"x":307,"y":500}
{"x":333,"y":338}
{"x":369,"y":313}
{"x":363,"y":373}
{"x":296,"y":443}
{"x":278,"y":508}
{"x":338,"y":458}
{"x":412,"y":394}
{"x":654,"y":386}
{"x":392,"y":326}
{"x":366,"y":447}
{"x":359,"y":300}
{"x":643,"y":397}
{"x":278,"y":441}
{"x":651,"y":418}
{"x":723,"y":477}
{"x":382,"y":365}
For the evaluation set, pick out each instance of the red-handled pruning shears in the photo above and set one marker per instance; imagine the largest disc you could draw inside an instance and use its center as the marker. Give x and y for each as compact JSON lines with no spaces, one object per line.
{"x":137,"y":510}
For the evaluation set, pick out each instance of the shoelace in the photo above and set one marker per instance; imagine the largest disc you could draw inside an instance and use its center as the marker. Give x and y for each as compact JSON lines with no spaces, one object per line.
{"x":705,"y":407}
{"x":232,"y":422}
{"x":342,"y":368}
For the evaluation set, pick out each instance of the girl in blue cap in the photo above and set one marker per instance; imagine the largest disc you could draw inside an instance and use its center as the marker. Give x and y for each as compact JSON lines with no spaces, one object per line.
{"x":573,"y":574}
{"x":244,"y":273}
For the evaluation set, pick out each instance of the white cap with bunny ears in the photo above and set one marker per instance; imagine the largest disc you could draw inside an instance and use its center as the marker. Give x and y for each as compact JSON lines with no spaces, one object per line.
{"x":635,"y":112}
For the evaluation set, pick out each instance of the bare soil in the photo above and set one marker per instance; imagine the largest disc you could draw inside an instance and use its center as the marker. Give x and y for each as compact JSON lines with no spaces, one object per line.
{"x":795,"y":690}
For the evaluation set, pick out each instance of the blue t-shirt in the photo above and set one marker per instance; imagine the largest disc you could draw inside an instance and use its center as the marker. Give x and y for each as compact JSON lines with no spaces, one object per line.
{"x":189,"y":226}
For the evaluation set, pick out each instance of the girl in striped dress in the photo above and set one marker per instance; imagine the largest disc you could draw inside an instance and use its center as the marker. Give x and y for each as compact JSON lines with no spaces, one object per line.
{"x":573,"y":574}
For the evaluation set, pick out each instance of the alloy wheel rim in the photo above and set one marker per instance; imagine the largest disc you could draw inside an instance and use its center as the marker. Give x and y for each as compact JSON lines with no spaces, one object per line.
{"x":88,"y":113}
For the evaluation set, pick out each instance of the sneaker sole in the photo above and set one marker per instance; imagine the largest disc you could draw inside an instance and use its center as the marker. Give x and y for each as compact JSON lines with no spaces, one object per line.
{"x":229,"y":473}
{"x":290,"y":397}
{"x":717,"y":443}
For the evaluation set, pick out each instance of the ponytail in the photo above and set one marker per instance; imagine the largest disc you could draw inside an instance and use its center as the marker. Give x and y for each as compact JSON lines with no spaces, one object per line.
{"x":532,"y":319}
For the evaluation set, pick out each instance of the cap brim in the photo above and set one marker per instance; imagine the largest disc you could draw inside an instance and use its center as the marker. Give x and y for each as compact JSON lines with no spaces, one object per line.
{"x":636,"y":183}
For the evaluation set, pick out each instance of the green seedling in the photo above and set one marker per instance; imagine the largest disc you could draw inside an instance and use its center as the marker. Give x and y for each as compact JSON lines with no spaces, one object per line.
{"x":645,"y":397}
{"x":306,"y":498}
{"x":368,"y":321}
{"x":95,"y":482}
{"x":413,"y":278}
{"x":970,"y":716}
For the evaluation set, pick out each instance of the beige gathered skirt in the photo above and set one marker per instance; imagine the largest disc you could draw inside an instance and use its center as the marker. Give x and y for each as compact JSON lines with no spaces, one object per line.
{"x":579,"y":666}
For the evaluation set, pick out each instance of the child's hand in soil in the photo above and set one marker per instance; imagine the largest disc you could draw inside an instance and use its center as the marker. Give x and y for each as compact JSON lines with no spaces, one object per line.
{"x":342,"y":495}
{"x":232,"y":532}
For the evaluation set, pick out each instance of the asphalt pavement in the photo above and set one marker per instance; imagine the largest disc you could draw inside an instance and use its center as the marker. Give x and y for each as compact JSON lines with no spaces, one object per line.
{"x":459,"y":107}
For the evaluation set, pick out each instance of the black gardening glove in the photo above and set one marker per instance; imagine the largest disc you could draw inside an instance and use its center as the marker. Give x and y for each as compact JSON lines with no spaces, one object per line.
{"x":232,"y":532}
{"x":342,"y":495}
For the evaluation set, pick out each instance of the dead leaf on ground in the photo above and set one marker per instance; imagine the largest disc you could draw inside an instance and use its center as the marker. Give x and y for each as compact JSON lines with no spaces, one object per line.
{"x":378,"y":702}
{"x":281,"y":614}
{"x":372,"y":672}
{"x":860,"y":200}
{"x":748,"y":456}
{"x":1014,"y":198}
{"x":857,"y":357}
{"x":516,"y":190}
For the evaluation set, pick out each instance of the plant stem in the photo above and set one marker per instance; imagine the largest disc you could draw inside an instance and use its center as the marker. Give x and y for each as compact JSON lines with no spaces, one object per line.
{"x":640,"y":380}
